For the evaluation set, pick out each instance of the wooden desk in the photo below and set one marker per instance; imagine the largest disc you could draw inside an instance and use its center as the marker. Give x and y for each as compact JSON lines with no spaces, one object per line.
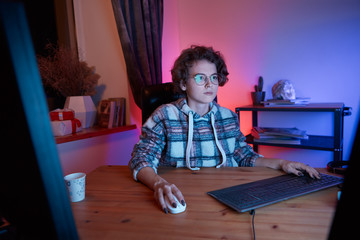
{"x":117,"y":207}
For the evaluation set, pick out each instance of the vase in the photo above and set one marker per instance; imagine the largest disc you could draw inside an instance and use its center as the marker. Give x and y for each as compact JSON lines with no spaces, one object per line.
{"x":84,"y":109}
{"x":257,"y":98}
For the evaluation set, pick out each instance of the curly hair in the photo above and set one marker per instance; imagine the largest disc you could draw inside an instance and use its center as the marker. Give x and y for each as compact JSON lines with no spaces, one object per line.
{"x":180,"y":70}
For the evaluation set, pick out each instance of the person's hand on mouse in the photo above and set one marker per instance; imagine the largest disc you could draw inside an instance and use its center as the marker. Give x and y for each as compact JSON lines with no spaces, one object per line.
{"x":162,"y":190}
{"x":297,"y":168}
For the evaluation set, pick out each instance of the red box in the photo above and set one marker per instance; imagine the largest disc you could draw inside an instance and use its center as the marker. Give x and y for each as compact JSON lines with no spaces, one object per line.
{"x":62,"y":114}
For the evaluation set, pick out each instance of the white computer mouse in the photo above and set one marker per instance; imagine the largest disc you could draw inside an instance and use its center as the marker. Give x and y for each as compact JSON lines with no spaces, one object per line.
{"x":179,"y":207}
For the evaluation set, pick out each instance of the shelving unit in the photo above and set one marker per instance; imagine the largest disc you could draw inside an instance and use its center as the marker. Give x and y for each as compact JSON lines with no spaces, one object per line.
{"x":326,"y":143}
{"x":92,"y":132}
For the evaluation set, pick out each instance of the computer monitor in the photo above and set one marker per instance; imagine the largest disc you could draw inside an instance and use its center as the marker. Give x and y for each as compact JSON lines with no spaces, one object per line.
{"x":33,"y":195}
{"x":345,"y":223}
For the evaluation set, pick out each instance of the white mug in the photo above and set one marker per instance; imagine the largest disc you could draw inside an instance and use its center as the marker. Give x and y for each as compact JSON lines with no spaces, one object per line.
{"x":75,"y":184}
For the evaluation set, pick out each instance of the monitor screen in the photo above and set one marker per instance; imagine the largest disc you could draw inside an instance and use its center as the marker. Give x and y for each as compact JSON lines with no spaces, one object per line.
{"x":345,"y":223}
{"x":33,"y":196}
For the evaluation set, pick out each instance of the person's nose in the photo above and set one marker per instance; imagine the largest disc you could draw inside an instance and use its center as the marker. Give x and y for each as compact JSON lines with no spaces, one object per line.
{"x":208,"y":83}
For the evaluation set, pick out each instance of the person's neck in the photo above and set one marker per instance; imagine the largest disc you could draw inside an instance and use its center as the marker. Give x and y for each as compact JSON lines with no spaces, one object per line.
{"x":200,"y":108}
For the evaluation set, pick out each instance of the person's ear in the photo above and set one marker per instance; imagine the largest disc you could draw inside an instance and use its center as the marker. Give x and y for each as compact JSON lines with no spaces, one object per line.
{"x":183,"y":85}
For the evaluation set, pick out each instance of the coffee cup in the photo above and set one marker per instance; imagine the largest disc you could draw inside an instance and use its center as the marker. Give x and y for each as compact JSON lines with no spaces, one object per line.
{"x":75,"y":184}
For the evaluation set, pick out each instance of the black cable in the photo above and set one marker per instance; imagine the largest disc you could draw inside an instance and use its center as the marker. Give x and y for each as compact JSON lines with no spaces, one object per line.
{"x":252,"y":212}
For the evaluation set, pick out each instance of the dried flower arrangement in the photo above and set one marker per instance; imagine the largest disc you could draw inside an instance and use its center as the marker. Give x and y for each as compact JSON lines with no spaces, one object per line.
{"x":63,"y":72}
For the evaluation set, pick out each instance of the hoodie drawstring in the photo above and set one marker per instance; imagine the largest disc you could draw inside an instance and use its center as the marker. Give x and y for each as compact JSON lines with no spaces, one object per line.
{"x":190,"y":139}
{"x":189,"y":142}
{"x":223,"y":155}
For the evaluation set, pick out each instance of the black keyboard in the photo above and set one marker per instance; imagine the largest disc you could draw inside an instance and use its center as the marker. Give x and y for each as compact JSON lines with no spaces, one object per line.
{"x":246,"y":197}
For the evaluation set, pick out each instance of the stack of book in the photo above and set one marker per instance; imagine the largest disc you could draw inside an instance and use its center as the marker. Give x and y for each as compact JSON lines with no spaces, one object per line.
{"x":111,"y":113}
{"x":286,"y":102}
{"x":278,"y":135}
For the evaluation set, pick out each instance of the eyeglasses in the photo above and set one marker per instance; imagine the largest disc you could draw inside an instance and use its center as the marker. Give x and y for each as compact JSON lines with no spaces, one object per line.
{"x":201,"y":79}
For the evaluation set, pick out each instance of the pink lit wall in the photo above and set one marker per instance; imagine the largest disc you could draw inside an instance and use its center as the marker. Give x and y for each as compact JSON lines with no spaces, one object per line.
{"x":313,"y":43}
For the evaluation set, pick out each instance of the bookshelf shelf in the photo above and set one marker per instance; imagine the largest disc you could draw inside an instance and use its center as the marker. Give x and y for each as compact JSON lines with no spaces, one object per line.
{"x":326,"y":143}
{"x":314,"y":142}
{"x":92,"y":132}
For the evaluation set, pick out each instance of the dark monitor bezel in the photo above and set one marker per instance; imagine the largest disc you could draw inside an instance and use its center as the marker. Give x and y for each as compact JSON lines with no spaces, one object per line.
{"x":33,"y":196}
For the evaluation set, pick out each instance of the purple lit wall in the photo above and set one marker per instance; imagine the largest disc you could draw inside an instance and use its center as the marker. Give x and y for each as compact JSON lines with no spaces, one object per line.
{"x":313,"y":43}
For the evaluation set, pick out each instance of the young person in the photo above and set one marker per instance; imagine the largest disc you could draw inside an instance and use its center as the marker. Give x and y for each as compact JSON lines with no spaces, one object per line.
{"x":195,"y":131}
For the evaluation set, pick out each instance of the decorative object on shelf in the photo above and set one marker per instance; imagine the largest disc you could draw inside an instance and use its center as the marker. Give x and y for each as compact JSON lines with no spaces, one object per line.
{"x":63,"y":72}
{"x":284,"y":96}
{"x":111,"y":112}
{"x":84,"y":108}
{"x":106,"y":113}
{"x":64,"y":75}
{"x":258,"y":96}
{"x":63,"y":122}
{"x":283,"y":90}
{"x":62,"y":114}
{"x":62,"y":128}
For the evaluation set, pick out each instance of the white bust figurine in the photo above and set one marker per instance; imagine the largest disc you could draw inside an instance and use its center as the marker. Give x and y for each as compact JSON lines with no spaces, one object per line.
{"x":283,"y":89}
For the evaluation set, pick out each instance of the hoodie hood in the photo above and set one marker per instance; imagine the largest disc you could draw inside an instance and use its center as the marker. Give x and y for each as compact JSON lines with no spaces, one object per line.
{"x":182,"y":105}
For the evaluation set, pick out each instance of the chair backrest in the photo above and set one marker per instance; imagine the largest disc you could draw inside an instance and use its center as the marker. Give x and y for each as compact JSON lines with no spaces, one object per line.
{"x":155,"y":95}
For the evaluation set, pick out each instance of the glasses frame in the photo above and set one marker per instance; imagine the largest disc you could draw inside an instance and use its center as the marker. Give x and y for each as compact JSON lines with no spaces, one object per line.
{"x":207,"y":79}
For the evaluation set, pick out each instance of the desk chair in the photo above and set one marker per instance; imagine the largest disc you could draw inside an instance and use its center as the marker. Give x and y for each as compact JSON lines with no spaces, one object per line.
{"x":155,"y":95}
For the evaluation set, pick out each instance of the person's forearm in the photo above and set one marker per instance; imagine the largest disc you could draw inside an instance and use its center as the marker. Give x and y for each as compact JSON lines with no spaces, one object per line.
{"x":273,"y":163}
{"x":148,"y":177}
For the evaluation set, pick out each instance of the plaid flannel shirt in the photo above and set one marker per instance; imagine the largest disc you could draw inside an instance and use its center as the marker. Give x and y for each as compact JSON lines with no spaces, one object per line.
{"x":164,"y":139}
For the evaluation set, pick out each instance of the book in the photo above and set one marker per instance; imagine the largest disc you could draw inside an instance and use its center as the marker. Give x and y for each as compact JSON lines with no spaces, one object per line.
{"x":117,"y":111}
{"x":286,"y":102}
{"x":276,"y":139}
{"x":296,"y":100}
{"x":106,"y":113}
{"x":120,"y":111}
{"x":279,"y":140}
{"x":284,"y":105}
{"x":264,"y":132}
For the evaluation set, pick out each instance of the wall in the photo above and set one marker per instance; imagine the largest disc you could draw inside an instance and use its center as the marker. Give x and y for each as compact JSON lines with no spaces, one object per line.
{"x":86,"y":155}
{"x":99,"y":45}
{"x":313,"y":43}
